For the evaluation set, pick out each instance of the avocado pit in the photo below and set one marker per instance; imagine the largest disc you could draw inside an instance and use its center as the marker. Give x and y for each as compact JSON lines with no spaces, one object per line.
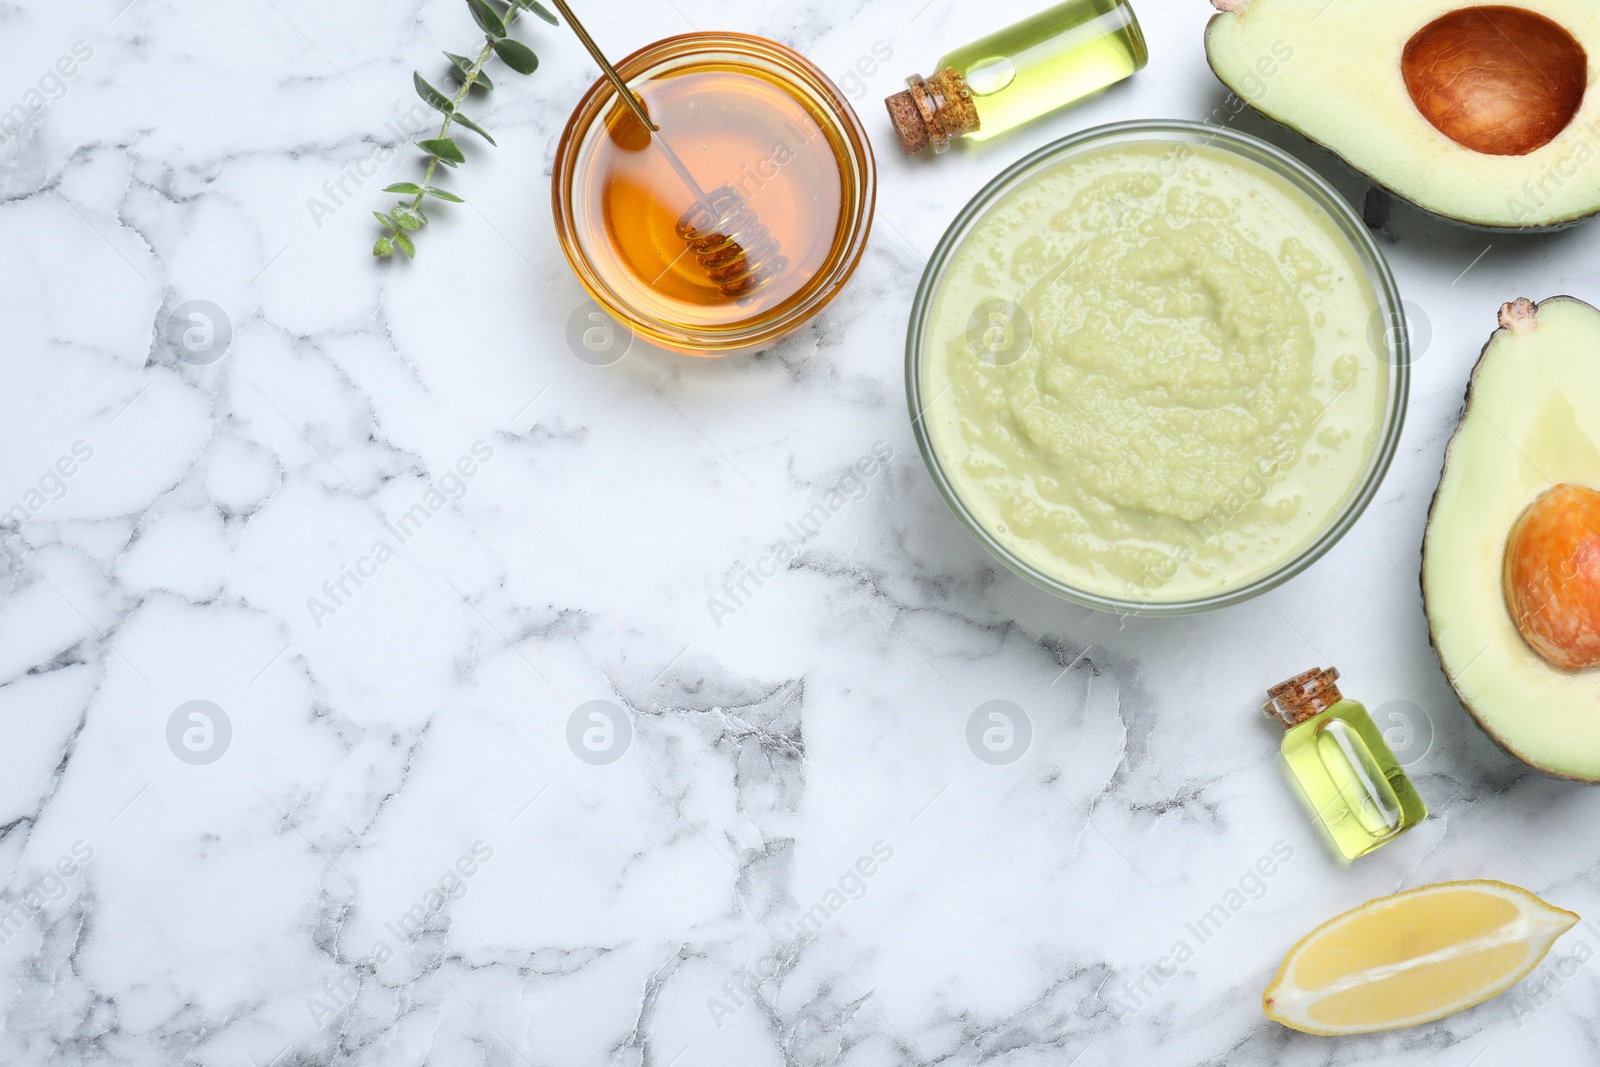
{"x":1551,"y":576}
{"x":1498,"y":80}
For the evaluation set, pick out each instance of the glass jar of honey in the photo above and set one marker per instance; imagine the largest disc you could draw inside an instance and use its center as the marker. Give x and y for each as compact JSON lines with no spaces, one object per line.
{"x":743,"y":114}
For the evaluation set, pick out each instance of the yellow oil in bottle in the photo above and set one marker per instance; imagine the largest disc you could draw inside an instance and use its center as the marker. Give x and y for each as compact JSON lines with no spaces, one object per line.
{"x":731,"y":126}
{"x":1060,"y":55}
{"x":1018,"y":73}
{"x":1351,"y":780}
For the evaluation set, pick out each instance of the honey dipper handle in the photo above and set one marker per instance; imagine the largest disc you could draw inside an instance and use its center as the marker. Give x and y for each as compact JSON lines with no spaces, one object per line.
{"x":633,"y":103}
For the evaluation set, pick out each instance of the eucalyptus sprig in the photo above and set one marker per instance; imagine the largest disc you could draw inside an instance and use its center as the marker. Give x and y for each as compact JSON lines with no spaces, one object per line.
{"x":407,"y":216}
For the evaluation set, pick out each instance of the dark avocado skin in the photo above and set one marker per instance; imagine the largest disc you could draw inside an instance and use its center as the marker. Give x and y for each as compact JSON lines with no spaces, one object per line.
{"x":1482,"y":227}
{"x":1472,"y":382}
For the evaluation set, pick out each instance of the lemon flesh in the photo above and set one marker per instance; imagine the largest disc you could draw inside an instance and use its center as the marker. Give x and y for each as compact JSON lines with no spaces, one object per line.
{"x":1413,"y":957}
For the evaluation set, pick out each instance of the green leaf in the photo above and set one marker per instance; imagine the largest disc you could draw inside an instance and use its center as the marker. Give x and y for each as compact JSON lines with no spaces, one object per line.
{"x":388,"y":223}
{"x":431,"y":96}
{"x":518,"y":56}
{"x":408,"y":219}
{"x":443,"y":147}
{"x":405,"y":245}
{"x":442,"y":195}
{"x":474,"y":127}
{"x":488,"y":19}
{"x":461,"y":66}
{"x":404,"y":187}
{"x":384,"y":248}
{"x":540,"y":10}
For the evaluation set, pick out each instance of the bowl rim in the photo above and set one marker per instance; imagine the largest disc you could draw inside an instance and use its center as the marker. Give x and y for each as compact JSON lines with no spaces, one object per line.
{"x":856,"y":212}
{"x":1397,"y":344}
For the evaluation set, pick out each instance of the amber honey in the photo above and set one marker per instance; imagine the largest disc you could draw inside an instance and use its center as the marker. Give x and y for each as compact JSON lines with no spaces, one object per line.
{"x":740,"y":113}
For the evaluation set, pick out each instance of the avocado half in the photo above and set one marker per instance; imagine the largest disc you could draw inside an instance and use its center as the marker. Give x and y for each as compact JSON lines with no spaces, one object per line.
{"x":1527,"y":437}
{"x":1479,"y":114}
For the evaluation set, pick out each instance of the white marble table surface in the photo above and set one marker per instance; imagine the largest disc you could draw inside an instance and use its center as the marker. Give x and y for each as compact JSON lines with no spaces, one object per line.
{"x":398,"y":858}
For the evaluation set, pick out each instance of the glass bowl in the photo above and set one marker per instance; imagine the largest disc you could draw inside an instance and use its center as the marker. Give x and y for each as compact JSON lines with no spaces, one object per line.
{"x":1386,"y":340}
{"x":681,"y":80}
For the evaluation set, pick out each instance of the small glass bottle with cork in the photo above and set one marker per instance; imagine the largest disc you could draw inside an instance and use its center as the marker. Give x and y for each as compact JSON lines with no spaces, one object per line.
{"x":1356,"y":787}
{"x":1019,"y":73}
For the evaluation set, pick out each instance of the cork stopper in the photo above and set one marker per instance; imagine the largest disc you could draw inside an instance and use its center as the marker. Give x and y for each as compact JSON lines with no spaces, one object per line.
{"x":932,"y":111}
{"x":1303,"y":697}
{"x":908,"y":125}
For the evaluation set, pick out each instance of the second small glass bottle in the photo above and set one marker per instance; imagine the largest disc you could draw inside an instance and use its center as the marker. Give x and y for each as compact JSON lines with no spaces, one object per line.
{"x":1349,"y":774}
{"x":998,"y":82}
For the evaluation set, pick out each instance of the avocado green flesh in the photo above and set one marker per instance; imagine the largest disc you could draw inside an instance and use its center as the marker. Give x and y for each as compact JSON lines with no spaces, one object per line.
{"x":1532,"y":419}
{"x":1331,"y":71}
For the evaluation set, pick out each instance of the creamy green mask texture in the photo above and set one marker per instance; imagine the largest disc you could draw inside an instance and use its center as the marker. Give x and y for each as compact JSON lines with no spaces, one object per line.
{"x":1152,"y":373}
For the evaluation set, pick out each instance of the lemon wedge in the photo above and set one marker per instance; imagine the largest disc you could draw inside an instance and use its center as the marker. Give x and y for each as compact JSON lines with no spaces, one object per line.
{"x":1413,"y":957}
